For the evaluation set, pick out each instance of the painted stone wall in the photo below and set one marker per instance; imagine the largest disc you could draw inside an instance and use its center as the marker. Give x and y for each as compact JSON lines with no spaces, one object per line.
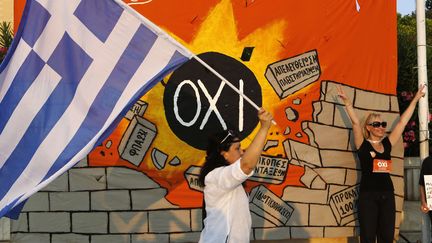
{"x":118,"y":204}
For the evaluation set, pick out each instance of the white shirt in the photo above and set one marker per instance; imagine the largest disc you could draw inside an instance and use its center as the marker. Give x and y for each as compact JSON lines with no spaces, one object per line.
{"x":227,"y":206}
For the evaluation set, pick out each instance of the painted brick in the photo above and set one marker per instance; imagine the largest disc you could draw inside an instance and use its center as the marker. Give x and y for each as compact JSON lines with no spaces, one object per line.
{"x":321,"y":215}
{"x":332,"y":175}
{"x":372,"y":101}
{"x":20,"y":225}
{"x":92,"y":222}
{"x":307,"y":232}
{"x":323,"y":112}
{"x":37,"y":202}
{"x":82,"y":163}
{"x":60,"y":184}
{"x":272,"y":233}
{"x":30,"y":238}
{"x":302,"y":152}
{"x":85,"y":179}
{"x":319,"y":135}
{"x":169,"y":221}
{"x":197,"y":219}
{"x":111,"y":238}
{"x":110,"y":200}
{"x":332,"y":232}
{"x":125,"y":178}
{"x":304,"y":195}
{"x":49,"y":222}
{"x":300,"y":214}
{"x":61,"y":238}
{"x":343,"y":159}
{"x":5,"y":229}
{"x":150,"y":238}
{"x":69,"y":201}
{"x":150,"y":199}
{"x":128,"y":222}
{"x":185,"y":237}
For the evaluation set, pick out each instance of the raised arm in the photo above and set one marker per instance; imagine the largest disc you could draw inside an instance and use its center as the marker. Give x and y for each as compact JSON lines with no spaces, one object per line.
{"x":397,"y":131}
{"x":252,"y":153}
{"x":357,"y":129}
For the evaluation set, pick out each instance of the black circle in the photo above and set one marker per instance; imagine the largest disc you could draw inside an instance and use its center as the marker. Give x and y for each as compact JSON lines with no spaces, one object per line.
{"x":186,"y":91}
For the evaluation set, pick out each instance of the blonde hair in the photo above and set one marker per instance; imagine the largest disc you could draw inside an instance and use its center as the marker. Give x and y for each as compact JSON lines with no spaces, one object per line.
{"x":369,"y":118}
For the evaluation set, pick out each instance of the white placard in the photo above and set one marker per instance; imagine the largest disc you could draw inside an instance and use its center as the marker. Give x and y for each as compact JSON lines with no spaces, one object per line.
{"x":428,"y":190}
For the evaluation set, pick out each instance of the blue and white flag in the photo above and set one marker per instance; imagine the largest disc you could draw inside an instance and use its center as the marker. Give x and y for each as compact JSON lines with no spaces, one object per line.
{"x":74,"y":69}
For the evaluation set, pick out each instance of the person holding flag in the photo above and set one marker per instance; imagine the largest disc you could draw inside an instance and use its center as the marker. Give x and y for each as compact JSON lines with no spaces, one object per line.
{"x":225,"y":169}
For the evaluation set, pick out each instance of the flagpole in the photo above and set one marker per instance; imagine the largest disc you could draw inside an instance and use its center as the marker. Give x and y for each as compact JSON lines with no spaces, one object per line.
{"x":227,"y":83}
{"x":423,"y":109}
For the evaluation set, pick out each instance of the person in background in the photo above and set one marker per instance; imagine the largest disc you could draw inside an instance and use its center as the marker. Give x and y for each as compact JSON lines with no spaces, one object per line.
{"x":426,"y":169}
{"x":376,"y":204}
{"x":226,"y":167}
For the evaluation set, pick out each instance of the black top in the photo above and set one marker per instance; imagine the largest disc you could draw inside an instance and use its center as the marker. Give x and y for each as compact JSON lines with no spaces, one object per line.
{"x":374,"y":181}
{"x":426,"y":169}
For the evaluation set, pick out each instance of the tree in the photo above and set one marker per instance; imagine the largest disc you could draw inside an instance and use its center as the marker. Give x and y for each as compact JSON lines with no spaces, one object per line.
{"x":407,"y":71}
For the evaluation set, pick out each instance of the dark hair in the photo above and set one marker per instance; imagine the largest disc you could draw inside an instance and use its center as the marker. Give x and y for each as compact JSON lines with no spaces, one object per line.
{"x":217,"y":143}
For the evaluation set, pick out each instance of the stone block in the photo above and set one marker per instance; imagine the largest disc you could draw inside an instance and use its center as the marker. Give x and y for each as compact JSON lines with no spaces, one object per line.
{"x":312,"y":180}
{"x":320,"y":136}
{"x":168,"y":221}
{"x":191,"y":175}
{"x":150,"y":238}
{"x":266,"y":204}
{"x":90,"y":223}
{"x":321,"y":215}
{"x":344,"y":205}
{"x":398,"y":184}
{"x":185,"y":237}
{"x":304,"y":195}
{"x":336,"y":158}
{"x":110,"y":200}
{"x":136,"y":140}
{"x":300,"y":215}
{"x":259,"y":222}
{"x":5,"y":229}
{"x":60,"y":184}
{"x":332,"y":175}
{"x":278,"y":233}
{"x":125,"y":178}
{"x":287,"y":76}
{"x":50,"y":222}
{"x":307,"y":232}
{"x":69,"y":201}
{"x":303,"y":153}
{"x":329,"y":92}
{"x":394,"y":103}
{"x":82,"y":163}
{"x":332,"y":232}
{"x":323,"y":112}
{"x":197,"y":220}
{"x":399,"y":201}
{"x":87,"y":179}
{"x":397,"y":166}
{"x":61,"y":238}
{"x":270,"y":170}
{"x":30,"y":238}
{"x":137,"y":109}
{"x":128,"y":222}
{"x":352,"y":177}
{"x":398,"y":149}
{"x":38,"y":202}
{"x":150,"y":199}
{"x":111,"y":238}
{"x":372,"y":100}
{"x":20,"y":225}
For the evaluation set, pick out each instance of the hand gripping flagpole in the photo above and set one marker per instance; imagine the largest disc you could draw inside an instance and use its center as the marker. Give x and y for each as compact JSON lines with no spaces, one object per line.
{"x":227,"y":83}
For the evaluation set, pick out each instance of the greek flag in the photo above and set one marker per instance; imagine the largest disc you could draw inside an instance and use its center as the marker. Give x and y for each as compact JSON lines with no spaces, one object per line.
{"x":74,"y":69}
